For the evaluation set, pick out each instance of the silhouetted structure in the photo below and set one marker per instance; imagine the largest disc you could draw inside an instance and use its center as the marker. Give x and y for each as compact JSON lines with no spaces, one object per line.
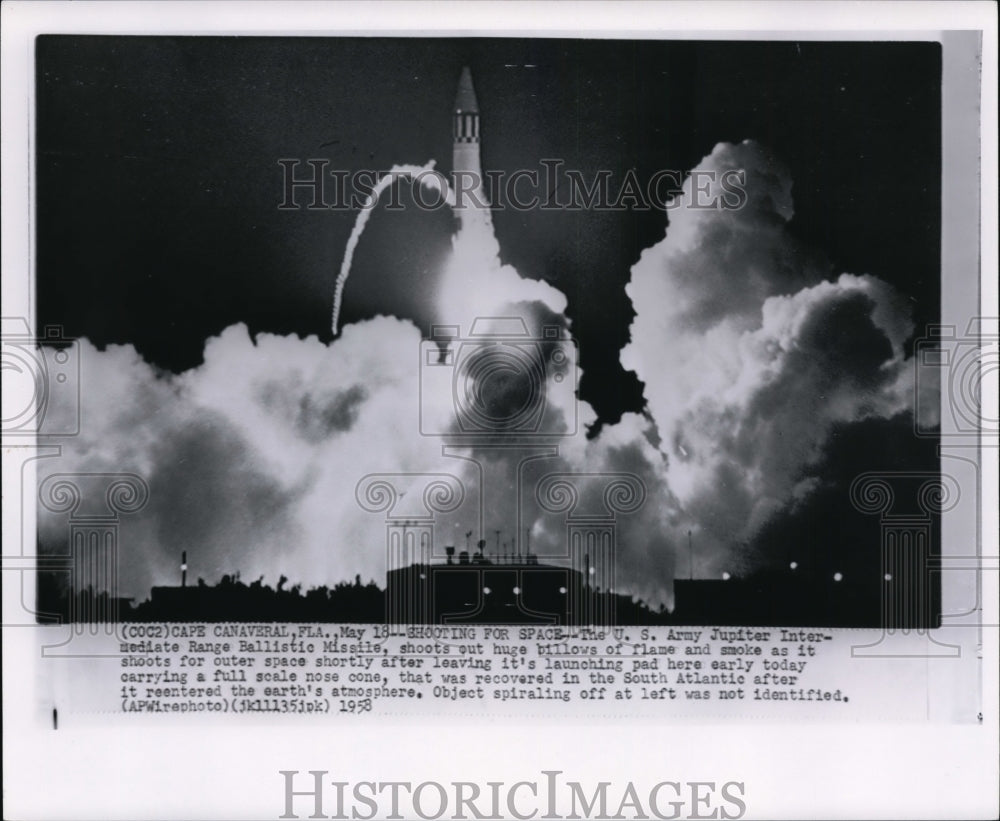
{"x":232,"y":600}
{"x":771,"y":601}
{"x":229,"y":600}
{"x":519,"y":589}
{"x":784,"y":600}
{"x":519,"y":592}
{"x":478,"y":590}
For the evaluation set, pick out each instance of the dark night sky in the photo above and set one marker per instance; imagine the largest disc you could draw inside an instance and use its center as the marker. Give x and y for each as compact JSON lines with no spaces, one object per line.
{"x":158,"y":181}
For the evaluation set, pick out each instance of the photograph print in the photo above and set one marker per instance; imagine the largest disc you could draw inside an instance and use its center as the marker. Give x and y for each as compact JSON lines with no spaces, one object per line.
{"x":487,"y":330}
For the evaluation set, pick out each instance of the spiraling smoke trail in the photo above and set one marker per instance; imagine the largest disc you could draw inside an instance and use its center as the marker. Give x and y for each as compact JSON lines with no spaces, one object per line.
{"x":426,"y":178}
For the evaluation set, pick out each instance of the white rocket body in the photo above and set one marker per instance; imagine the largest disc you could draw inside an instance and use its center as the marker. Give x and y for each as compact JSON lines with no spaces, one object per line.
{"x":471,"y":204}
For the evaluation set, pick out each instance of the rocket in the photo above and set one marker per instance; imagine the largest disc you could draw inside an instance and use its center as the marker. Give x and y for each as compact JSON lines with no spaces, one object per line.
{"x":467,"y":171}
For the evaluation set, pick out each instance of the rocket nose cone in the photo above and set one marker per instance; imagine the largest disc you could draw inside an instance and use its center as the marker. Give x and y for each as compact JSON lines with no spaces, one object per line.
{"x":465,"y":100}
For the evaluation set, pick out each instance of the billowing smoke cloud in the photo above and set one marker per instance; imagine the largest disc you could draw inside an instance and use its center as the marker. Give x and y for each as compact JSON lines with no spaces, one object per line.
{"x":252,"y":458}
{"x":646,"y":538}
{"x":476,"y":285}
{"x":751,"y":353}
